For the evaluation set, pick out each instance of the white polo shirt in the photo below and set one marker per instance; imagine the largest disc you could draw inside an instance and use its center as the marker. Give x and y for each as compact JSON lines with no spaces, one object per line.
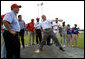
{"x":37,"y":25}
{"x":46,"y":24}
{"x":56,"y":27}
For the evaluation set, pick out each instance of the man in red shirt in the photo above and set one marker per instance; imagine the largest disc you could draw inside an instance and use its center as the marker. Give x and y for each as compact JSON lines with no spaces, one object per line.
{"x":30,"y":27}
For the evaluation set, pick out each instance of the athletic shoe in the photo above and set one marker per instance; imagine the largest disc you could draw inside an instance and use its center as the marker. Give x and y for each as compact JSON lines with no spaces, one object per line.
{"x":29,"y":44}
{"x":40,"y":49}
{"x":61,"y":48}
{"x":64,"y":46}
{"x":23,"y":46}
{"x":33,"y":44}
{"x":38,"y":44}
{"x":51,"y":44}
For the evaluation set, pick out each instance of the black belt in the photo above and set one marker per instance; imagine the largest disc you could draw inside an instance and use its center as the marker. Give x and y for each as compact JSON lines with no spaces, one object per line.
{"x":21,"y":29}
{"x":8,"y":31}
{"x":37,"y":29}
{"x":55,"y":29}
{"x":47,"y":29}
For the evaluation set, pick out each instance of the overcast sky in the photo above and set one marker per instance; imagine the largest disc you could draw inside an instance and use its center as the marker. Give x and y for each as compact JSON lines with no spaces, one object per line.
{"x":72,"y":12}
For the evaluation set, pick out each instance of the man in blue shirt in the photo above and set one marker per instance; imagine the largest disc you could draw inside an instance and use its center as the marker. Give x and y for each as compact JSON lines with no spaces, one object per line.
{"x":75,"y":33}
{"x":22,"y":29}
{"x":11,"y":29}
{"x":68,"y":35}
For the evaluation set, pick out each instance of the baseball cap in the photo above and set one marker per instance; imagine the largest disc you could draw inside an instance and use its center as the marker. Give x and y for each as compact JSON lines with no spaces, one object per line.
{"x":15,"y":5}
{"x":37,"y":18}
{"x":2,"y":16}
{"x":32,"y":19}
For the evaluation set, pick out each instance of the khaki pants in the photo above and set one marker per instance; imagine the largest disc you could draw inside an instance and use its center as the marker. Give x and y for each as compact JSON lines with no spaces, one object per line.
{"x":74,"y":37}
{"x":56,"y":34}
{"x":68,"y":38}
{"x":31,"y":34}
{"x":46,"y":34}
{"x":63,"y":37}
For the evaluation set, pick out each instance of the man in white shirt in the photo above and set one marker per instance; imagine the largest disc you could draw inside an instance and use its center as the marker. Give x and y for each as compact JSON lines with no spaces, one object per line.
{"x":47,"y":31}
{"x":37,"y":26}
{"x":63,"y":33}
{"x":56,"y":26}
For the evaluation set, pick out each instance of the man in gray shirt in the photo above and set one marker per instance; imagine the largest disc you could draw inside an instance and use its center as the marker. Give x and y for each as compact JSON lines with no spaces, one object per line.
{"x":22,"y":29}
{"x":11,"y":30}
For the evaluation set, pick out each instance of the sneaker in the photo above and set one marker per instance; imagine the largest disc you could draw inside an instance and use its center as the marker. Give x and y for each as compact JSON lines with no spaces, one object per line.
{"x":40,"y":49}
{"x":33,"y":44}
{"x":23,"y":46}
{"x":38,"y":44}
{"x":61,"y":48}
{"x":64,"y":46}
{"x":51,"y":44}
{"x":29,"y":44}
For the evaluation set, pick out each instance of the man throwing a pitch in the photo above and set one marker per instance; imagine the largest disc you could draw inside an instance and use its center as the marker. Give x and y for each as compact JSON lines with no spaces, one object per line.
{"x":47,"y":31}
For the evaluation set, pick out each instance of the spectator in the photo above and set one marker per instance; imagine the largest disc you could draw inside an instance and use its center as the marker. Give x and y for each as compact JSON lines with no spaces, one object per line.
{"x":30,"y":27}
{"x":22,"y":29}
{"x":11,"y":32}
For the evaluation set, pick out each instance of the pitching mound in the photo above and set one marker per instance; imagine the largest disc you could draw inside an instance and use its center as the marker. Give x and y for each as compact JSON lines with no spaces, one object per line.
{"x":51,"y":52}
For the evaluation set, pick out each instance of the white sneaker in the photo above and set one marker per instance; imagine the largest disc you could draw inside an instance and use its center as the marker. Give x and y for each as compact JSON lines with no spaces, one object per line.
{"x":29,"y":44}
{"x":64,"y":46}
{"x":38,"y":44}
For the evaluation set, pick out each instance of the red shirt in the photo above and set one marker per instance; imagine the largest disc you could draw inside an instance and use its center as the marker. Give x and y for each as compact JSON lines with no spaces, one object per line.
{"x":1,"y":28}
{"x":30,"y":27}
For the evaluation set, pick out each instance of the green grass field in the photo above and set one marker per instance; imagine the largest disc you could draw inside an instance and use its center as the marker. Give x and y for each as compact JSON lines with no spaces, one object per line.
{"x":80,"y":40}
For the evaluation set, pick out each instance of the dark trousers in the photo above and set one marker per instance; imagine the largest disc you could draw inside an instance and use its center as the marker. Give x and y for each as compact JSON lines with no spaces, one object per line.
{"x":38,"y":35}
{"x":21,"y":34}
{"x":48,"y":40}
{"x":12,"y":44}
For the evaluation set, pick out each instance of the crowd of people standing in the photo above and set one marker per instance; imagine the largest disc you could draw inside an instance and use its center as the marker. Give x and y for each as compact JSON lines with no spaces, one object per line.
{"x":47,"y":31}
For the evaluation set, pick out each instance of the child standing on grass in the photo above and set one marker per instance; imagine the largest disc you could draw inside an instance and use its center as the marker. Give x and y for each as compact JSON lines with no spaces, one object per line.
{"x":75,"y":33}
{"x":68,"y":35}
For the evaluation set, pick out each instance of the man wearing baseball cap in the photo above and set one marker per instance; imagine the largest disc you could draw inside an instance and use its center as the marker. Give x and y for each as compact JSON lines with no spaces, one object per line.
{"x":38,"y":31}
{"x":30,"y":27}
{"x":12,"y":28}
{"x":74,"y":34}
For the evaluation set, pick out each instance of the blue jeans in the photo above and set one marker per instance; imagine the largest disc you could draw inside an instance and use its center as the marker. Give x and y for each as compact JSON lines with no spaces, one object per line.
{"x":3,"y":51}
